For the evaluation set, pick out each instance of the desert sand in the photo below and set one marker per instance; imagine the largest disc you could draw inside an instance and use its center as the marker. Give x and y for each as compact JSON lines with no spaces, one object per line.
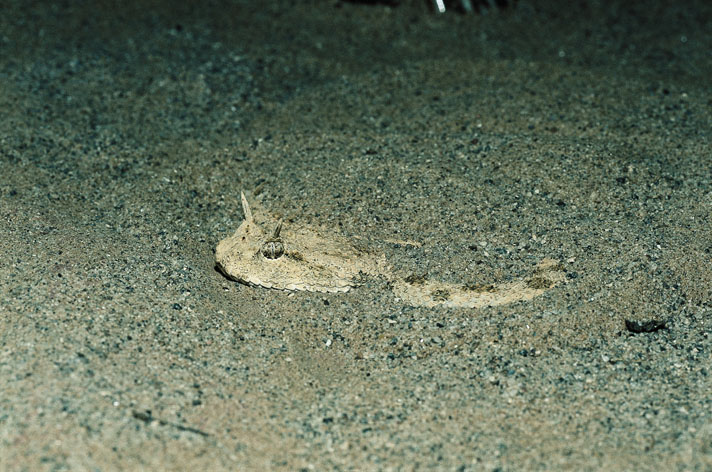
{"x":493,"y":140}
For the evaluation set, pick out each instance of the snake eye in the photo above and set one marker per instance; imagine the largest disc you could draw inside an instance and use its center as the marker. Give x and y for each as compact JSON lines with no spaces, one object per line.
{"x":273,"y":249}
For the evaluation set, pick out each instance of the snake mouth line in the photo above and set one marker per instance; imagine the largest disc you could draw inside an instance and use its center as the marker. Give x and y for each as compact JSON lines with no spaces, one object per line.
{"x":221,"y":270}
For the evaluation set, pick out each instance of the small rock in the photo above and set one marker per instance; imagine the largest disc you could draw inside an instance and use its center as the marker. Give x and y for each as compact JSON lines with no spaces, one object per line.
{"x":644,"y":326}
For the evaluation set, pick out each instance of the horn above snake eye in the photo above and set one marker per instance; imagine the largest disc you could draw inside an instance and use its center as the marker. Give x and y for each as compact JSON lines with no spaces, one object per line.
{"x":246,"y":207}
{"x":277,"y":230}
{"x":273,"y":248}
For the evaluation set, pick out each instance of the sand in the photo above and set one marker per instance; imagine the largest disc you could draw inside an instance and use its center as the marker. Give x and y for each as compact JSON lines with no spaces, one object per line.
{"x":494,"y":140}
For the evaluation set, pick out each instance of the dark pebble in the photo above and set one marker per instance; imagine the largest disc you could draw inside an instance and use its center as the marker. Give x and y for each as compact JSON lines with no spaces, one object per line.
{"x":644,"y":326}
